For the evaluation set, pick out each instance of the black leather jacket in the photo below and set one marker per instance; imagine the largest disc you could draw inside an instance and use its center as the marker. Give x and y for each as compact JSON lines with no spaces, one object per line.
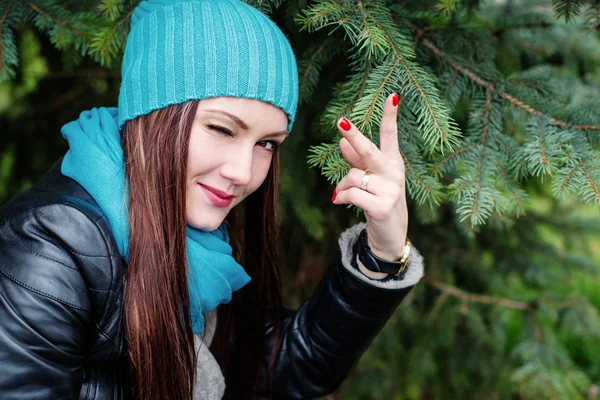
{"x":61,"y":286}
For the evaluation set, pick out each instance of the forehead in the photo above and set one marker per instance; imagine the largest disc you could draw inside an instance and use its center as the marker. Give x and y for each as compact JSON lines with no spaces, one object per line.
{"x":254,"y":113}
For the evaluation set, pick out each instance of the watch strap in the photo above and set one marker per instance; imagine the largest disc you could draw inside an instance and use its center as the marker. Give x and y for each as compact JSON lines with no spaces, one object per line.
{"x":354,"y":264}
{"x":373,"y":263}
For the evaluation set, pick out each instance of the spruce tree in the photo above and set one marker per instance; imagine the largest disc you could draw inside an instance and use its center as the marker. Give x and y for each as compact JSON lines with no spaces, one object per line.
{"x":499,"y":128}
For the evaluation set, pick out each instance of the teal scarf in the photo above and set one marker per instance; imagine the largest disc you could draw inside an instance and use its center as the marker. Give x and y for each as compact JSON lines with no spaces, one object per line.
{"x":95,"y":161}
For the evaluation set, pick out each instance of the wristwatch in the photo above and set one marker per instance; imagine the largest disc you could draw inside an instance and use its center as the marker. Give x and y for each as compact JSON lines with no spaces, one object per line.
{"x":373,"y":263}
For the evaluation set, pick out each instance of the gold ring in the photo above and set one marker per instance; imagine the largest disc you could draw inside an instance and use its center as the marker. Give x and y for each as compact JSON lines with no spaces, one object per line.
{"x":365,"y":180}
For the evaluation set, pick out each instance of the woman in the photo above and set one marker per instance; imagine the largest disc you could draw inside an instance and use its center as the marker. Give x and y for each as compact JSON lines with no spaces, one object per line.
{"x":121,"y":271}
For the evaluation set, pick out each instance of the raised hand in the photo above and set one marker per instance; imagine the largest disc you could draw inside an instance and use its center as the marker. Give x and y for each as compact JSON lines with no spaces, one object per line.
{"x":376,"y":182}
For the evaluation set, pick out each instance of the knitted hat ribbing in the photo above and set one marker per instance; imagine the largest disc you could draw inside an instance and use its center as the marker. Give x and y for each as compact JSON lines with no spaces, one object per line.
{"x":179,"y":50}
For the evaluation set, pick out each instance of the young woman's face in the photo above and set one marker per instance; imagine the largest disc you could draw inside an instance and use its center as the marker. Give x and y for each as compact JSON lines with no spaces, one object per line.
{"x":231,"y":146}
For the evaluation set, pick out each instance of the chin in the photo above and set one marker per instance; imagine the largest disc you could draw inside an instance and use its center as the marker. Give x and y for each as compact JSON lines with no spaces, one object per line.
{"x":206,"y":224}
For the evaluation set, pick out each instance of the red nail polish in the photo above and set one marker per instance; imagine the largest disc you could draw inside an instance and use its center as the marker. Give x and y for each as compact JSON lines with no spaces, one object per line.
{"x":395,"y":99}
{"x":334,"y":195}
{"x":345,"y":124}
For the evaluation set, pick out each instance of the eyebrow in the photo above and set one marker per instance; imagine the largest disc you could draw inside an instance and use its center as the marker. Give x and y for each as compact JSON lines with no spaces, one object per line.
{"x":243,"y":125}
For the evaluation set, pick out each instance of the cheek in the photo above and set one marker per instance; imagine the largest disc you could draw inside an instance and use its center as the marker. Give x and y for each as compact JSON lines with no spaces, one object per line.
{"x":199,"y":158}
{"x":192,"y":156}
{"x":193,"y":166}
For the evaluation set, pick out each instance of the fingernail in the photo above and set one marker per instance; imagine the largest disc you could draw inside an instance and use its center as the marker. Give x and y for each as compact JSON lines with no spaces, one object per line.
{"x":395,"y":99}
{"x":345,"y":124}
{"x":334,"y":195}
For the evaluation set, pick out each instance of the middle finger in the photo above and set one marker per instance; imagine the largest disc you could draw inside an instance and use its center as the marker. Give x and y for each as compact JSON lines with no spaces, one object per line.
{"x":366,"y":149}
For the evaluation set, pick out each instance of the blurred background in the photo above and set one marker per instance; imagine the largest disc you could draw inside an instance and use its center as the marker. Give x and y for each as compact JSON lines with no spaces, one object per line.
{"x":499,"y":130}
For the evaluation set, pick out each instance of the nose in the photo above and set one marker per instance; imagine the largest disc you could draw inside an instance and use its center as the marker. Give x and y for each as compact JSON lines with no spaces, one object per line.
{"x":238,"y":166}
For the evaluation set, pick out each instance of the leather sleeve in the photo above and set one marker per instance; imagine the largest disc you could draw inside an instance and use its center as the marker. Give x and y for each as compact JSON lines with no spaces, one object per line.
{"x":325,"y":337}
{"x":44,"y":306}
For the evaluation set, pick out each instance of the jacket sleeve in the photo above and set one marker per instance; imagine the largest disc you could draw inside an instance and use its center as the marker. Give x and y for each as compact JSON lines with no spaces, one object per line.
{"x":44,"y":307}
{"x":325,"y":337}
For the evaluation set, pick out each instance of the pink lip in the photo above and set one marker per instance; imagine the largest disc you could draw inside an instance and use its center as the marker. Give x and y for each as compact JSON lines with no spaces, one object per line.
{"x":216,"y":196}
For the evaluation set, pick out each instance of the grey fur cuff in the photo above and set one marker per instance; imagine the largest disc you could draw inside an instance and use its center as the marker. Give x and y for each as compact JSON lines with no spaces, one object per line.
{"x":415,"y":266}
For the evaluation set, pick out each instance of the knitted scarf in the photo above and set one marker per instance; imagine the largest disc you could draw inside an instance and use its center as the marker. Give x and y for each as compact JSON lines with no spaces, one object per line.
{"x":95,"y":161}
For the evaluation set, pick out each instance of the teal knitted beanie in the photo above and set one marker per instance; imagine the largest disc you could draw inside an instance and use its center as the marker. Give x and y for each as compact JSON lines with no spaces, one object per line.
{"x":180,"y":50}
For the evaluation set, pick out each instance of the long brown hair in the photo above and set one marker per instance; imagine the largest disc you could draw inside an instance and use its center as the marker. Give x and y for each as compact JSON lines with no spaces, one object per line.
{"x":158,"y":328}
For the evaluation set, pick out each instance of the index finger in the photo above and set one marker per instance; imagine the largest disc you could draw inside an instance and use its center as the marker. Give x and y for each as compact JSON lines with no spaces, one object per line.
{"x":367,"y":150}
{"x":388,"y":131}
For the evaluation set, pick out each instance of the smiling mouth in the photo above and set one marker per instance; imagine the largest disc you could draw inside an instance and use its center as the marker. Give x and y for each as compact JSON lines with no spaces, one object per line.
{"x":216,"y":196}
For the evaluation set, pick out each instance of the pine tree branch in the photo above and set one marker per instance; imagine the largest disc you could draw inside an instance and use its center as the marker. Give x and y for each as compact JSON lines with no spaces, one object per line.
{"x":414,"y":172}
{"x":478,"y":298}
{"x":511,"y":124}
{"x":343,"y":169}
{"x":505,"y":146}
{"x":369,"y":30}
{"x":415,"y":82}
{"x":526,"y":84}
{"x":587,"y":127}
{"x":490,"y":86}
{"x":379,"y":91}
{"x":317,"y":16}
{"x":312,"y":63}
{"x":114,"y":31}
{"x":426,"y":100}
{"x":479,"y":49}
{"x":461,"y":187}
{"x":542,"y":147}
{"x":469,"y":74}
{"x":476,"y":197}
{"x":451,"y":156}
{"x":358,"y":95}
{"x":406,"y":125}
{"x":531,"y":46}
{"x":419,"y":34}
{"x":1,"y":34}
{"x":596,"y":11}
{"x":593,"y":184}
{"x":447,"y":92}
{"x":323,"y":156}
{"x":568,"y":9}
{"x":56,"y":21}
{"x":486,"y":118}
{"x":570,"y":175}
{"x":571,"y":303}
{"x":508,"y":181}
{"x":437,"y":307}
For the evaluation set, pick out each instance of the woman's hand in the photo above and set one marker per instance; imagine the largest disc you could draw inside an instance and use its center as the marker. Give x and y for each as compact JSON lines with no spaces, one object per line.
{"x":384,"y":200}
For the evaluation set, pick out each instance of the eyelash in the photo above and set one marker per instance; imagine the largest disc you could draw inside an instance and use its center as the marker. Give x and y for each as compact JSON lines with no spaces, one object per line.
{"x":227,"y":132}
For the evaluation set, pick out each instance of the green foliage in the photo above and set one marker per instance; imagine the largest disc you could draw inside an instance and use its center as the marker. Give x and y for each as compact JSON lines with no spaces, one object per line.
{"x":547,"y":373}
{"x":8,"y":53}
{"x":499,"y":128}
{"x":533,"y":335}
{"x":567,"y":9}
